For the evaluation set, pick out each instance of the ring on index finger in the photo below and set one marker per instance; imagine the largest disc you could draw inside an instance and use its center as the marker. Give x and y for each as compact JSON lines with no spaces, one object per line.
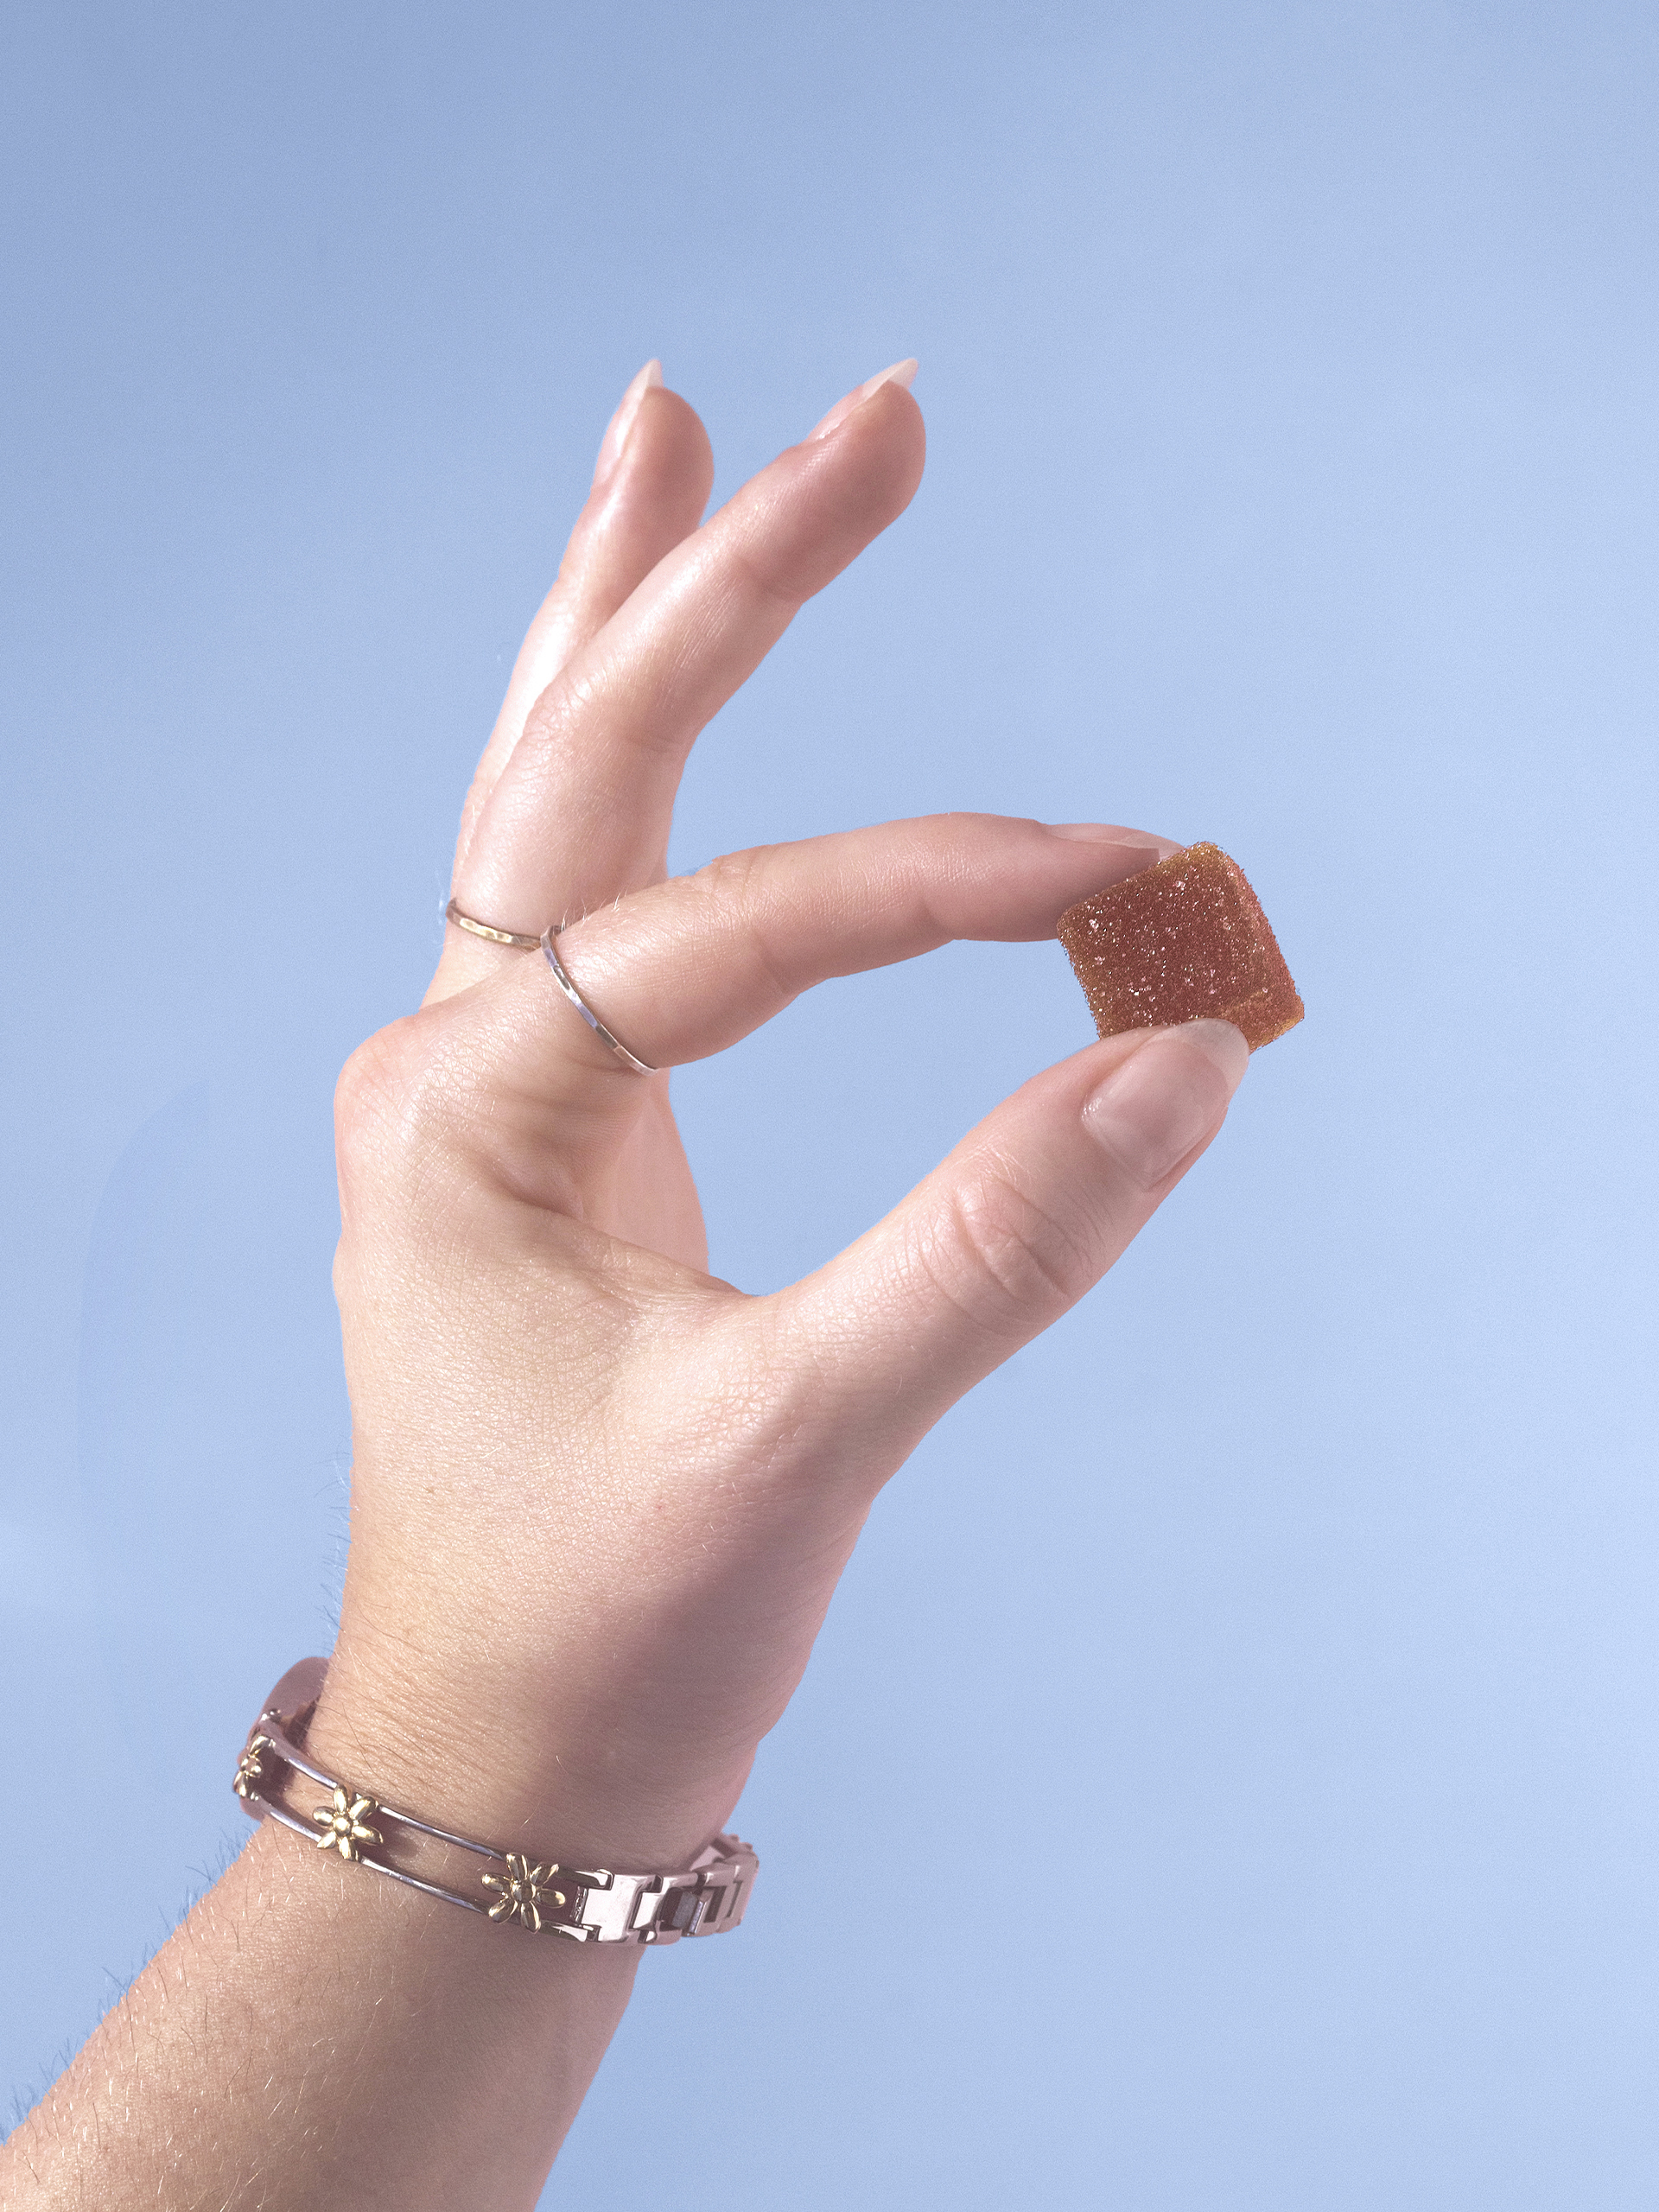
{"x":560,"y":976}
{"x":472,"y":924}
{"x":605,"y":1036}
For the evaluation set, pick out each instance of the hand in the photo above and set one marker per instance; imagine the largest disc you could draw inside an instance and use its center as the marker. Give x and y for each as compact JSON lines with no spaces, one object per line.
{"x":600,"y":1500}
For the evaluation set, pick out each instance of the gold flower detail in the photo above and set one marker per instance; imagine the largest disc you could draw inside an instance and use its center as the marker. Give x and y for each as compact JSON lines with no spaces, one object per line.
{"x":342,"y":1823}
{"x":248,"y":1769}
{"x":522,"y":1887}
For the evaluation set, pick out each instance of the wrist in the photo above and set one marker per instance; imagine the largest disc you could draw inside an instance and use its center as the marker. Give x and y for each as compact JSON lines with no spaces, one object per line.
{"x":440,"y":1734}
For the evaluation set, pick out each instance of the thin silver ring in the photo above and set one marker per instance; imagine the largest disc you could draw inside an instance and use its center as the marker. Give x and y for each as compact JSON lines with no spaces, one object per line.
{"x":474,"y":927}
{"x":563,"y":980}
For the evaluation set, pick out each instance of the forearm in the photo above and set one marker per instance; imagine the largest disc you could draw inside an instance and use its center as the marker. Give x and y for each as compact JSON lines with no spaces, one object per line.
{"x":312,"y":2033}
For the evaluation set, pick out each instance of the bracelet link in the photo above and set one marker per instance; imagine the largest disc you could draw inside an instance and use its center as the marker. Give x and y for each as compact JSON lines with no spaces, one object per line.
{"x":605,"y":1911}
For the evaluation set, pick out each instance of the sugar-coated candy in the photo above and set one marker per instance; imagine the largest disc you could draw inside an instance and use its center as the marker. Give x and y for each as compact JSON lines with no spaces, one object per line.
{"x":1185,"y":941}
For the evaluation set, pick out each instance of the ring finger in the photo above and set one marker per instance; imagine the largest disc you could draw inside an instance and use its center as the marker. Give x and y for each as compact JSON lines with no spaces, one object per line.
{"x":651,"y":485}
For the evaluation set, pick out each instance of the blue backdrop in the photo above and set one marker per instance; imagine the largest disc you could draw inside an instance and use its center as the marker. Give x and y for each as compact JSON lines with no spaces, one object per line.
{"x":1246,"y":1700}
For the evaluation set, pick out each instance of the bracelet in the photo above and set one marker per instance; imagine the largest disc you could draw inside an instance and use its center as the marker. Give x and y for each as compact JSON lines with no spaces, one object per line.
{"x":591,"y":1905}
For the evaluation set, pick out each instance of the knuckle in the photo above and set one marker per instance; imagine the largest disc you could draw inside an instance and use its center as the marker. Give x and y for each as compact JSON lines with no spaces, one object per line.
{"x":772,"y":573}
{"x":1008,"y":1263}
{"x":735,"y":878}
{"x":383,"y":1102}
{"x":742,"y":897}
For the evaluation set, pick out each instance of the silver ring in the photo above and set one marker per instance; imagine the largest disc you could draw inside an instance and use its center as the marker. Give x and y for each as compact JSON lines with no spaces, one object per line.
{"x":582,"y":1006}
{"x":474,"y":927}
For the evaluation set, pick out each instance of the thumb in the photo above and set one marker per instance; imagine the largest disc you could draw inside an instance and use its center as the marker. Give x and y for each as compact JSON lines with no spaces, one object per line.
{"x":1008,"y":1232}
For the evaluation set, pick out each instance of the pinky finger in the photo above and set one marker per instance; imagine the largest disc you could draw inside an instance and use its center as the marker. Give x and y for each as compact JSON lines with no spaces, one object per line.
{"x":1007,"y":1233}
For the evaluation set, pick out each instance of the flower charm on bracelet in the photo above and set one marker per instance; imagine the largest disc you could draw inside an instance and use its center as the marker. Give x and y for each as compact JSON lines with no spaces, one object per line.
{"x":248,"y":1769}
{"x":522,"y":1888}
{"x":342,"y":1823}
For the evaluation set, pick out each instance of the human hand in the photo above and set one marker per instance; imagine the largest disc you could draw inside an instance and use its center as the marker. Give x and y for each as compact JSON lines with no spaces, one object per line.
{"x":600,"y":1500}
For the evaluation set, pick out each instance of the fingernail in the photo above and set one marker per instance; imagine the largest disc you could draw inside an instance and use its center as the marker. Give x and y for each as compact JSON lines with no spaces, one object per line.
{"x":616,"y":434}
{"x":901,"y":372}
{"x":1167,"y":1097}
{"x":1110,"y":833}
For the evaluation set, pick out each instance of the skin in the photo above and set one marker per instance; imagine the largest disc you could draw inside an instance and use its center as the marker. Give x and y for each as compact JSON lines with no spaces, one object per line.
{"x":600,"y":1499}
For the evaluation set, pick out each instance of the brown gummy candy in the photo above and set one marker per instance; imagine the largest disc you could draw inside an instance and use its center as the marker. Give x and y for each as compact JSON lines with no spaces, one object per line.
{"x":1185,"y":941}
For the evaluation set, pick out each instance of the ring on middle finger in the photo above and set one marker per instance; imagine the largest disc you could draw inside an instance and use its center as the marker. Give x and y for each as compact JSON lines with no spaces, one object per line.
{"x":474,"y":927}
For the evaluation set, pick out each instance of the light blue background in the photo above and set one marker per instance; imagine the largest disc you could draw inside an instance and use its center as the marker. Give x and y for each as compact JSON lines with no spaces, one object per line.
{"x":1244,"y":1705}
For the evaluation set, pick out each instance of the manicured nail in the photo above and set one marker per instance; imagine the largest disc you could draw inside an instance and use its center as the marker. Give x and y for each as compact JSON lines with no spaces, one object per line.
{"x":901,"y":372}
{"x":616,"y":434}
{"x":1111,"y":833}
{"x":1167,"y":1098}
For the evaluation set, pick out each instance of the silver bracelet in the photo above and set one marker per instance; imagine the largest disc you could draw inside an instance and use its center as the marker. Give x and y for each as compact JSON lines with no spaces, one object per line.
{"x":591,"y":1905}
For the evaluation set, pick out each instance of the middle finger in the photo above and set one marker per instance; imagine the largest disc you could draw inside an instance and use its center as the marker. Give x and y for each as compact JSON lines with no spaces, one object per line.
{"x":581,"y":813}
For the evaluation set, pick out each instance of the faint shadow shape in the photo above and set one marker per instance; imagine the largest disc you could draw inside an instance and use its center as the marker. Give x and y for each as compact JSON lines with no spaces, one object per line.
{"x":151,"y":1457}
